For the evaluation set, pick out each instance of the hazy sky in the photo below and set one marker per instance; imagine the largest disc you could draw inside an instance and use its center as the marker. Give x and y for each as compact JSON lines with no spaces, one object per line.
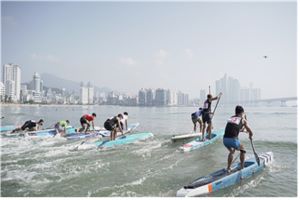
{"x":176,"y":45}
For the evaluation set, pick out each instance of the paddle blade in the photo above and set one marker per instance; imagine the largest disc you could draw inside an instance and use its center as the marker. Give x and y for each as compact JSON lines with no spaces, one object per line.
{"x":255,"y":154}
{"x":76,"y":148}
{"x":257,"y":159}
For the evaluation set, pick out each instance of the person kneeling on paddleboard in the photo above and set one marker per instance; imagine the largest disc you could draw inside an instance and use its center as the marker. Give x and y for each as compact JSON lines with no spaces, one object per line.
{"x":196,"y":117}
{"x":113,"y":124}
{"x":61,"y":127}
{"x":85,"y":121}
{"x":234,"y":126}
{"x":30,"y":125}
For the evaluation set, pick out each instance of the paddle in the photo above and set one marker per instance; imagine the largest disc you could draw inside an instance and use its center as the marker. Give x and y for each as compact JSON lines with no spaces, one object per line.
{"x":87,"y":139}
{"x":255,"y":154}
{"x":100,"y":145}
{"x":213,"y":113}
{"x":76,"y":148}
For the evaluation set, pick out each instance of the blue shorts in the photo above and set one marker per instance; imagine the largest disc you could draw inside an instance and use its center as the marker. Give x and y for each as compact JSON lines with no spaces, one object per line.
{"x":232,"y":143}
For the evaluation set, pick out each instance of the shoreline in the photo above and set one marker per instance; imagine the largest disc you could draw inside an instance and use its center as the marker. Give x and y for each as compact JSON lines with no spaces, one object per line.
{"x":39,"y":105}
{"x":78,"y":105}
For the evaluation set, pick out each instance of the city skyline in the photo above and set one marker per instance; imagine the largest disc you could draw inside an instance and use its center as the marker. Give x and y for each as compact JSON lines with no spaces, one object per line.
{"x":185,"y":46}
{"x":35,"y":92}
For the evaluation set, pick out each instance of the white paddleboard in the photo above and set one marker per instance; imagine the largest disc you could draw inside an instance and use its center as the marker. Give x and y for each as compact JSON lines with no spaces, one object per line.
{"x":185,"y":136}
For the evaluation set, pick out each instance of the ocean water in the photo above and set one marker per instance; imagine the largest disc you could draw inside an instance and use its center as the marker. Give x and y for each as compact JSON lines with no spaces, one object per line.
{"x":45,"y":167}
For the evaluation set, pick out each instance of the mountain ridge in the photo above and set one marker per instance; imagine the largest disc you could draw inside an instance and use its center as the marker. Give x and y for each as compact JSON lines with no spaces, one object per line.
{"x":54,"y":81}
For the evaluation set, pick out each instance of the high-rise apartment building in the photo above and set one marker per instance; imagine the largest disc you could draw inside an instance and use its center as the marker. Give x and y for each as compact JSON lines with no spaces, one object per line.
{"x":233,"y":93}
{"x":90,"y":89}
{"x":180,"y":98}
{"x":249,"y":95}
{"x":230,"y":87}
{"x":142,"y":97}
{"x":36,"y":82}
{"x":10,"y":90}
{"x":233,"y":90}
{"x":221,"y":86}
{"x":83,"y":94}
{"x":171,"y":98}
{"x":149,"y":97}
{"x":37,"y":88}
{"x":2,"y":91}
{"x":11,"y":77}
{"x":160,"y":97}
{"x":86,"y":93}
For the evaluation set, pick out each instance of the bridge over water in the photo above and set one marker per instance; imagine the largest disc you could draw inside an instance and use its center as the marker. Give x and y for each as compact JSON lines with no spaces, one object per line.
{"x":281,"y":100}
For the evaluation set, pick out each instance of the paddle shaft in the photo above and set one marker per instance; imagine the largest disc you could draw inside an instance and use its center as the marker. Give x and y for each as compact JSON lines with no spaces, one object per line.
{"x":216,"y":107}
{"x":255,"y":154}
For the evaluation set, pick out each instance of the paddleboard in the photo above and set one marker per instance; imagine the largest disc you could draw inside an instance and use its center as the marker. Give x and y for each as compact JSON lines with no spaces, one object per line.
{"x":221,"y":179}
{"x":7,"y":128}
{"x":198,"y":143}
{"x":102,"y":134}
{"x":40,"y":133}
{"x":185,"y":136}
{"x":121,"y":140}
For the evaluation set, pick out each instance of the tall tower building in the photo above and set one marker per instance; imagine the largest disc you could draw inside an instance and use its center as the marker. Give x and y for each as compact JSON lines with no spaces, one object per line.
{"x":2,"y":91}
{"x":171,"y":97}
{"x":149,"y":97}
{"x":180,"y":98}
{"x":233,"y":90}
{"x":90,"y":90}
{"x":36,"y":82}
{"x":221,"y":86}
{"x":42,"y":86}
{"x":83,"y":94}
{"x":10,"y":90}
{"x":160,"y":97}
{"x":11,"y":74}
{"x":230,"y":87}
{"x":142,"y":97}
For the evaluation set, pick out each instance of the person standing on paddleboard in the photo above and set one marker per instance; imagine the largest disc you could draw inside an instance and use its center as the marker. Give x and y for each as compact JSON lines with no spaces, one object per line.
{"x":196,"y":117}
{"x":234,"y":126}
{"x":85,"y":121}
{"x":113,"y":124}
{"x":206,"y":115}
{"x":30,"y":125}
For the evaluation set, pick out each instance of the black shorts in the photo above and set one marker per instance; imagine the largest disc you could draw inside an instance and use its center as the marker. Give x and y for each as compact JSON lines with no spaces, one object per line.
{"x":83,"y":121}
{"x":206,"y":118}
{"x":109,"y":126}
